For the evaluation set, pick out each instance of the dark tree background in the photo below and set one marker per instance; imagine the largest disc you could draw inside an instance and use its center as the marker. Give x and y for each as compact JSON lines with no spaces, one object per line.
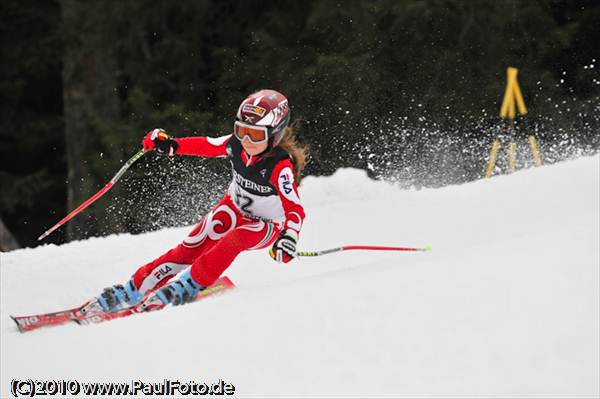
{"x":407,"y":89}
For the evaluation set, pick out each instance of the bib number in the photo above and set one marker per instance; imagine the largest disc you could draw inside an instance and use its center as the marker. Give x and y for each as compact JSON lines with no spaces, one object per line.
{"x":243,"y":202}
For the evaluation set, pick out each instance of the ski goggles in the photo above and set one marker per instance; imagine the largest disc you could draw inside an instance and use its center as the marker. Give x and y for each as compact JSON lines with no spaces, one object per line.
{"x":256,"y":134}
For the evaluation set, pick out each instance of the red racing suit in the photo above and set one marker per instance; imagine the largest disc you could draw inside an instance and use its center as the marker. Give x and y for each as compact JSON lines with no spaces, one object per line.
{"x":262,"y":199}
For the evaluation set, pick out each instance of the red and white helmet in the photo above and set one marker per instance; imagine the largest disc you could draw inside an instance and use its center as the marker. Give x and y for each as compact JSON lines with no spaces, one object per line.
{"x":268,"y":108}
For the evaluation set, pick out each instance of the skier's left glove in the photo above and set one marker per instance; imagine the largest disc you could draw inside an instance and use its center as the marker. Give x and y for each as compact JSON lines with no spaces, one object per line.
{"x":159,"y":140}
{"x":284,"y":248}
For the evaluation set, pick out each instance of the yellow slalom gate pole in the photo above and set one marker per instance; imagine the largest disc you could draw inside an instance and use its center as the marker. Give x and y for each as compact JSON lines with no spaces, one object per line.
{"x":534,"y":150}
{"x":512,"y":157}
{"x":512,"y":93}
{"x":492,"y":161}
{"x":512,"y":102}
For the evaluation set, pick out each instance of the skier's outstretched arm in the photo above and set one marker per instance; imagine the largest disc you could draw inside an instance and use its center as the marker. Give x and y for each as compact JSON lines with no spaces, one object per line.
{"x":158,"y":140}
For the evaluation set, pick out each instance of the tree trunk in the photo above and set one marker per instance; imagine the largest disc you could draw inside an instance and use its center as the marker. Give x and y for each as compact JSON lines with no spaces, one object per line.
{"x":7,"y":241}
{"x":90,"y":101}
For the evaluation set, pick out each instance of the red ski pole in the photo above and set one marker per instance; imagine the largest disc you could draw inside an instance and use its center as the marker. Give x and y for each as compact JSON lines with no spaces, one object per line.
{"x":360,"y":247}
{"x":99,"y":194}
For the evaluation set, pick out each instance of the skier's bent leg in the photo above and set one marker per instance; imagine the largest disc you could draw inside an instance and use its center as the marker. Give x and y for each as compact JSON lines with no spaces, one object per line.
{"x":157,"y":273}
{"x":150,"y":276}
{"x":207,"y":268}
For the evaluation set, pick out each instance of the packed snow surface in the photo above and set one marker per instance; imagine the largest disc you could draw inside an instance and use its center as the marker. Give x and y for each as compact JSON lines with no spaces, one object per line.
{"x":506,"y":304}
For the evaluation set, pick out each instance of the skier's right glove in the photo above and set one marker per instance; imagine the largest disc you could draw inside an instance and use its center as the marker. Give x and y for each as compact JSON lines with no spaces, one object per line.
{"x":160,"y":141}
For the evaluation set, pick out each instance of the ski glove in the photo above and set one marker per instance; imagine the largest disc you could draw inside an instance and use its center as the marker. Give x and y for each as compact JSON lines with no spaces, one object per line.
{"x":160,"y":141}
{"x":284,"y":248}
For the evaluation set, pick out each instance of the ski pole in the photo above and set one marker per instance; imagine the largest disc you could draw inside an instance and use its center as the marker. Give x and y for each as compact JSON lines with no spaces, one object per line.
{"x":99,"y":194}
{"x":360,"y":247}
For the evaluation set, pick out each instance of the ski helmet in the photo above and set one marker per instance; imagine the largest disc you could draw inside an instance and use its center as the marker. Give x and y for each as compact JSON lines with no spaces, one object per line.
{"x":267,"y":108}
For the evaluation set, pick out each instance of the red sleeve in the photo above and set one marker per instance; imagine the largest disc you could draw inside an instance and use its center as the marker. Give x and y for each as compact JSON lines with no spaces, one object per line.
{"x":203,"y":146}
{"x":283,"y":180}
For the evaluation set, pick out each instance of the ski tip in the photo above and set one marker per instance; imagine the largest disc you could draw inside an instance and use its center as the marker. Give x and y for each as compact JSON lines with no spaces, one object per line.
{"x":16,"y":322}
{"x":227,"y":281}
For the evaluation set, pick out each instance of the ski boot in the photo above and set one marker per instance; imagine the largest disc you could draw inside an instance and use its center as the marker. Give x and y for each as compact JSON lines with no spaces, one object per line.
{"x":119,"y":296}
{"x":177,"y":292}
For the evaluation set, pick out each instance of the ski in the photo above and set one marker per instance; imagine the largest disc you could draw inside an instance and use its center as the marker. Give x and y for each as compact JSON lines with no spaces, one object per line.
{"x":88,"y":313}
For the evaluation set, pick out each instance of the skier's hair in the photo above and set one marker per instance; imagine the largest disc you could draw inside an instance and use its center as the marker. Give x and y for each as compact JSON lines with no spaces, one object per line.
{"x":298,"y":151}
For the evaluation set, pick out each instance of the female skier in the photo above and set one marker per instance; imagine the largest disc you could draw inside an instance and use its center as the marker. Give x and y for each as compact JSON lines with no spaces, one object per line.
{"x":261,"y":207}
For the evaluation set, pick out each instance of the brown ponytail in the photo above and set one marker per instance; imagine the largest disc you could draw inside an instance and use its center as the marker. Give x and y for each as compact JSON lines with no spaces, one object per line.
{"x":299,"y":152}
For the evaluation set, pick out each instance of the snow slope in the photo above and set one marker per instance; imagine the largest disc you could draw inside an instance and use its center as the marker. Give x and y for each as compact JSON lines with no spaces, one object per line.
{"x":506,"y":304}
